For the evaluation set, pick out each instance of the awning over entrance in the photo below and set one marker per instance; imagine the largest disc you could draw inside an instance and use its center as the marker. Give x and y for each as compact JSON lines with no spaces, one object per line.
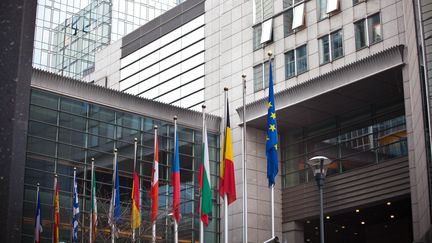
{"x":373,"y":80}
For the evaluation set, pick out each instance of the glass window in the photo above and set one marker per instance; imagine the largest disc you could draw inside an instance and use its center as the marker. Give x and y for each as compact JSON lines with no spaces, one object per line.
{"x":288,"y":22}
{"x":322,"y":9}
{"x":332,"y":5}
{"x":298,"y":12}
{"x":257,"y":37}
{"x":258,"y":77}
{"x":365,"y":37}
{"x":324,"y":49}
{"x":358,"y":1}
{"x":360,"y":34}
{"x":301,"y":56}
{"x":374,"y":28}
{"x":267,"y":30}
{"x":267,"y":8}
{"x":258,"y":11}
{"x":331,"y":47}
{"x":336,"y":44}
{"x":289,"y":64}
{"x":260,"y":82}
{"x":287,"y":3}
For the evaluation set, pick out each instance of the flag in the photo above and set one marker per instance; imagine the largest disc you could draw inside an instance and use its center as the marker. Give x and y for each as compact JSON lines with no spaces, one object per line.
{"x":136,"y":222}
{"x":272,"y":136}
{"x":175,"y":177}
{"x":227,"y":178}
{"x":115,"y":210}
{"x":154,"y":190}
{"x":75,"y":211}
{"x":56,"y":212}
{"x":38,"y":223}
{"x":93,"y":209}
{"x":204,"y":179}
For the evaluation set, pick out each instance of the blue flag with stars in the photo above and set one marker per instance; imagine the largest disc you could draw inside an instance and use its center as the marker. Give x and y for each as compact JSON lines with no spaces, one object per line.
{"x":272,"y":135}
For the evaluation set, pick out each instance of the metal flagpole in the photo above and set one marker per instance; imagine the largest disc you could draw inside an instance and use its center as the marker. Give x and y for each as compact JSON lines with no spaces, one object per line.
{"x":245,"y":195}
{"x":113,"y":209}
{"x":225,"y":195}
{"x":37,"y":221}
{"x":154,"y":222}
{"x":272,"y":213}
{"x":135,"y":154}
{"x":91,"y":203}
{"x":272,"y":188}
{"x":175,"y":221}
{"x":200,"y":202}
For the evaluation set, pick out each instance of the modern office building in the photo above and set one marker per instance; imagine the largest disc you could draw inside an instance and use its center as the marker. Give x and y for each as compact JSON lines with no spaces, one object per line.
{"x":69,"y":33}
{"x":351,"y":82}
{"x":162,"y":60}
{"x":72,"y":121}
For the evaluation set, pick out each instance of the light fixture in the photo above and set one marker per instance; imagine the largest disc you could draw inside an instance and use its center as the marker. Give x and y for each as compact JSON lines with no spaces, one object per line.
{"x":392,"y":216}
{"x":327,"y":217}
{"x":316,"y":227}
{"x":319,"y":165}
{"x":307,"y":222}
{"x":357,"y":210}
{"x":388,"y":203}
{"x":336,"y":231}
{"x":363,"y":222}
{"x":343,"y":226}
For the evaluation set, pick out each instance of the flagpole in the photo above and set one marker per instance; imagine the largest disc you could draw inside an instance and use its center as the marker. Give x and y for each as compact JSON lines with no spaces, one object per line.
{"x":175,"y":221}
{"x":225,"y":195}
{"x":272,"y":187}
{"x":37,"y":223}
{"x":135,"y":160}
{"x":74,"y":220}
{"x":245,"y":194}
{"x":91,"y":203}
{"x":154,"y":222}
{"x":200,"y":198}
{"x":113,"y":199}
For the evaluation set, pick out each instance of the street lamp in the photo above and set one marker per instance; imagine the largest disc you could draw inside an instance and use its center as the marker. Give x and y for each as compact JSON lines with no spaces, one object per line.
{"x":318,"y":165}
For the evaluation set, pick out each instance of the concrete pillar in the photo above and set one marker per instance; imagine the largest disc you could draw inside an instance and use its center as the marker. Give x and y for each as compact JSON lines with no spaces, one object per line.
{"x":293,"y":232}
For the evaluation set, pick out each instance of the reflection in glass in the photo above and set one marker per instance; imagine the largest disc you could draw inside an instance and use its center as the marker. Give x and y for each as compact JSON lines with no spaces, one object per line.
{"x":94,"y":134}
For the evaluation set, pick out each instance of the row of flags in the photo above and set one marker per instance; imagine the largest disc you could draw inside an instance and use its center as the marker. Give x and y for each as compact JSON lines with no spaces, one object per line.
{"x":226,"y":183}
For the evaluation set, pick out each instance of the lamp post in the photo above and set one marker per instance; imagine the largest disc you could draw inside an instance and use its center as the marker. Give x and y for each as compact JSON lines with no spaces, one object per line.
{"x":318,"y":165}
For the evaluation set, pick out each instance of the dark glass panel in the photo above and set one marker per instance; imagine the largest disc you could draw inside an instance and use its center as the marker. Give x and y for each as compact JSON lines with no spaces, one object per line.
{"x":44,"y":99}
{"x":43,"y":115}
{"x":41,"y":146}
{"x":73,"y":106}
{"x":72,"y":121}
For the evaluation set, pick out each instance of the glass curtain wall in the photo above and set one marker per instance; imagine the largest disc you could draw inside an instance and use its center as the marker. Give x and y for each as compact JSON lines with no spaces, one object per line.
{"x":351,"y":141}
{"x":66,"y":133}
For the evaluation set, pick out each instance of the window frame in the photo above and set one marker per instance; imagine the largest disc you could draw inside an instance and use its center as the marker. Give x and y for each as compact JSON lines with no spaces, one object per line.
{"x":296,"y":62}
{"x":264,"y":81}
{"x":331,"y":48}
{"x":368,"y":31}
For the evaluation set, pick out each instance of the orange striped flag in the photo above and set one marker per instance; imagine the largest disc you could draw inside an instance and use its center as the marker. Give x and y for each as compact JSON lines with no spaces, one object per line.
{"x":136,"y":222}
{"x":227,"y":178}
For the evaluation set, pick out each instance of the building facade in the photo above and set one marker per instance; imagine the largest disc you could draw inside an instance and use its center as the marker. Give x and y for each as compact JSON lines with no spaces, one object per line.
{"x":162,"y":61}
{"x":72,"y":122}
{"x":351,"y":84}
{"x":347,"y":87}
{"x":68,"y":34}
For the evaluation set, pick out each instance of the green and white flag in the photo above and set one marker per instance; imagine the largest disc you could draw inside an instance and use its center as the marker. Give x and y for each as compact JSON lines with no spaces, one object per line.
{"x":204,"y":178}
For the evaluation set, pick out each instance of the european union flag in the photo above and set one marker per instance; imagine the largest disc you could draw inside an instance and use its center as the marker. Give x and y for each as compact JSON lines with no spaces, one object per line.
{"x":272,"y":135}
